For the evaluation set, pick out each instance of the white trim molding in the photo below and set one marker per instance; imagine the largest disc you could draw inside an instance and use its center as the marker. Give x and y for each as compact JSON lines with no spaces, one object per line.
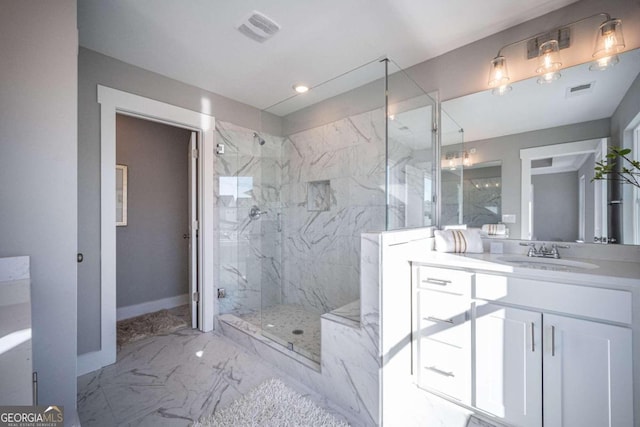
{"x":134,"y":310}
{"x":114,"y":101}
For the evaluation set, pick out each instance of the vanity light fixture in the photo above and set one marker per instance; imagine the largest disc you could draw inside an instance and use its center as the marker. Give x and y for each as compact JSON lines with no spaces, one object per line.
{"x":546,"y":47}
{"x":499,"y":75}
{"x":300,"y":88}
{"x":609,"y":41}
{"x":549,"y":62}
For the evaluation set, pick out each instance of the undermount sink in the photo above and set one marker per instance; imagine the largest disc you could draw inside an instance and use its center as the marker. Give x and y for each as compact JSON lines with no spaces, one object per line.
{"x":546,"y":263}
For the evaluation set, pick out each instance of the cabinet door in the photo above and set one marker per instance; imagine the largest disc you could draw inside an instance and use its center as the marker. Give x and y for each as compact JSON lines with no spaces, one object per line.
{"x":587,"y":374}
{"x":508,"y":364}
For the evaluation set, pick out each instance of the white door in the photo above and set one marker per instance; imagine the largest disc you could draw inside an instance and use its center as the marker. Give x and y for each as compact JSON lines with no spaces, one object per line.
{"x":508,"y":364}
{"x":193,"y":229}
{"x":587,"y":374}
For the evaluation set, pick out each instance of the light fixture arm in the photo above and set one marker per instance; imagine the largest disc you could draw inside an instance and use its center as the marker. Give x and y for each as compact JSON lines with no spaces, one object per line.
{"x":605,"y":15}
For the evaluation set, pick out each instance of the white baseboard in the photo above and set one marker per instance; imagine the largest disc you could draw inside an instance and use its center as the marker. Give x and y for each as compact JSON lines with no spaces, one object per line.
{"x":151,"y":306}
{"x":94,"y":360}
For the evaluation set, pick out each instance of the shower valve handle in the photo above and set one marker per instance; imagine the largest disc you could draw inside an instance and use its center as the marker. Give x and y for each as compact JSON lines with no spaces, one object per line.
{"x":256,"y":213}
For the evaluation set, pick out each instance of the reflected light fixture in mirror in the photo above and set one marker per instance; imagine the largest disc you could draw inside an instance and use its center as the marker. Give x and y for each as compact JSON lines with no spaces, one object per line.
{"x":455,"y":159}
{"x":549,"y":62}
{"x":499,"y":75}
{"x":609,"y":41}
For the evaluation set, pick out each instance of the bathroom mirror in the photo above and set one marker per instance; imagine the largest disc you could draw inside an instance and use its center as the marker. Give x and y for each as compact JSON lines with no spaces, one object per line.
{"x":582,"y":106}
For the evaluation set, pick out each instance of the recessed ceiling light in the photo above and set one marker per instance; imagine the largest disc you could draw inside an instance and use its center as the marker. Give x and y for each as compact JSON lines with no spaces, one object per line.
{"x":300,"y":88}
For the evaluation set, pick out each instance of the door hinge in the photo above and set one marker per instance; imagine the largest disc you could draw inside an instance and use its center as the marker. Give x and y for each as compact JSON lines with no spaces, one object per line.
{"x":196,"y":297}
{"x":194,"y":153}
{"x":219,"y":148}
{"x":195,"y":226}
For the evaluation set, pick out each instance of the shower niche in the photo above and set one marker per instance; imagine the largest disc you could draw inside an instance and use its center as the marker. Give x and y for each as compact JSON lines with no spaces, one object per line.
{"x":318,"y":196}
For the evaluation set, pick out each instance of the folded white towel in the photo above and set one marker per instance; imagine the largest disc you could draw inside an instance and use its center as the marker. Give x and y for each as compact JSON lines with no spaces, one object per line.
{"x":494,"y":229}
{"x":458,"y":241}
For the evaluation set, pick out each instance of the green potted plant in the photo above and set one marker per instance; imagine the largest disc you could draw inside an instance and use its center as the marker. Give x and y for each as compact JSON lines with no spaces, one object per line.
{"x":619,"y":166}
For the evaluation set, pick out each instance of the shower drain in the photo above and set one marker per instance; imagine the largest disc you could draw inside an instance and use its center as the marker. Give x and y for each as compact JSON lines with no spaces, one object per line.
{"x":297,"y":332}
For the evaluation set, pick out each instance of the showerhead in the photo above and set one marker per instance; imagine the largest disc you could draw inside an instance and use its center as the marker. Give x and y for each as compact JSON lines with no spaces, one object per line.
{"x":258,"y":138}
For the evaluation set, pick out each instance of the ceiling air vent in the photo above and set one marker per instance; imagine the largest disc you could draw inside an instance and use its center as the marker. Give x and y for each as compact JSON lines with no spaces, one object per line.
{"x":580,"y":89}
{"x":258,"y":27}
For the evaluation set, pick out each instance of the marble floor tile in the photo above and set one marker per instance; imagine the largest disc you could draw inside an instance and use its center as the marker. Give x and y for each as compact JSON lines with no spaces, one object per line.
{"x":173,"y":380}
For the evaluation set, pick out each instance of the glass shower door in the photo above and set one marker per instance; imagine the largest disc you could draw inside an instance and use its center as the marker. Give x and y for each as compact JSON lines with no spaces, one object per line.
{"x":235,"y":170}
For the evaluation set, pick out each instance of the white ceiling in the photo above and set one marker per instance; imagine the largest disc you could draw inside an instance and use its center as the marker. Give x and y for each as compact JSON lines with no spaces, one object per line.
{"x":195,"y":41}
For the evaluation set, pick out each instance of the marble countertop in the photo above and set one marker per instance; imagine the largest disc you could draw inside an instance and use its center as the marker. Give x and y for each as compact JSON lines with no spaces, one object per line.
{"x":608,"y":273}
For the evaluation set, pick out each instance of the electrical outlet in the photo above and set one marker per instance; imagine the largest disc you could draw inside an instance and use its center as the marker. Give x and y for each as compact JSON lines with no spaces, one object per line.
{"x":509,"y":218}
{"x":222,"y":293}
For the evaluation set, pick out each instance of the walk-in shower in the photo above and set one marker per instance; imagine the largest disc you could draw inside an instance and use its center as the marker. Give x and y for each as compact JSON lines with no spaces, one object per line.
{"x":353,"y":154}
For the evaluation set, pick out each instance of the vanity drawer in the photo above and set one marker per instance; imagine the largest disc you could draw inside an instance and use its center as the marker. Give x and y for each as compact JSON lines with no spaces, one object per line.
{"x":445,"y":280}
{"x":598,"y":303}
{"x":445,"y":369}
{"x":442,"y":308}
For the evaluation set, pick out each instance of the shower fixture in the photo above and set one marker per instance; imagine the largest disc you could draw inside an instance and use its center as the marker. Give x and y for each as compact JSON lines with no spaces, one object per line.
{"x":255,"y":213}
{"x":258,"y":138}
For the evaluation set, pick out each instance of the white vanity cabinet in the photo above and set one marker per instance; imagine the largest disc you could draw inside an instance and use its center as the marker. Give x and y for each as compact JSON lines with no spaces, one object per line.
{"x":530,"y":359}
{"x":508,"y":363}
{"x":588,"y":377}
{"x":541,"y":353}
{"x":442,"y":304}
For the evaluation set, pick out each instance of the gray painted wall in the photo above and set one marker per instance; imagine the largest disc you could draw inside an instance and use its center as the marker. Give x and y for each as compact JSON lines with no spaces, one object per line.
{"x":94,"y":69}
{"x":555,"y":206}
{"x":38,"y":176}
{"x":152,"y":256}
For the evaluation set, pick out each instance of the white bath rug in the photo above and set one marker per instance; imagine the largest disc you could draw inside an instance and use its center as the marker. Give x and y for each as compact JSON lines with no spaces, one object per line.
{"x":271,"y":404}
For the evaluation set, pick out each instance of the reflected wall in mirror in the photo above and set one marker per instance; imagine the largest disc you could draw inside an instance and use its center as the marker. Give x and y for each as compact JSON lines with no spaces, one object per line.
{"x":582,"y":105}
{"x":559,"y":200}
{"x":474,"y":194}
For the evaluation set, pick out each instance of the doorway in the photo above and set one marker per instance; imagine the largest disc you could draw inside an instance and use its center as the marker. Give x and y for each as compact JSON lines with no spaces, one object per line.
{"x":155,"y":209}
{"x":113,"y":101}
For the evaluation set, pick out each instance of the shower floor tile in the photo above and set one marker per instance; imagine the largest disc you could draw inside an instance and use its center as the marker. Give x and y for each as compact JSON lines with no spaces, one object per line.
{"x":283,"y":322}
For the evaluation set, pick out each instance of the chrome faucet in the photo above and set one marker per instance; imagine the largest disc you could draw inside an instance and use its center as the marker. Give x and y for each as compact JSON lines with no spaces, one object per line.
{"x":543,"y":251}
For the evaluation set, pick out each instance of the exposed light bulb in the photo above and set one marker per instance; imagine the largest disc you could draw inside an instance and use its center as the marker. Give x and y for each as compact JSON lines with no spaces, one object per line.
{"x":498,"y":72}
{"x":609,"y":41}
{"x":549,"y":59}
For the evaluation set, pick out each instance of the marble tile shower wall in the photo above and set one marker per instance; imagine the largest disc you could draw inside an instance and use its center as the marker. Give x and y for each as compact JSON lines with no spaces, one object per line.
{"x":322,"y":188}
{"x":321,"y":241}
{"x":249,"y":263}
